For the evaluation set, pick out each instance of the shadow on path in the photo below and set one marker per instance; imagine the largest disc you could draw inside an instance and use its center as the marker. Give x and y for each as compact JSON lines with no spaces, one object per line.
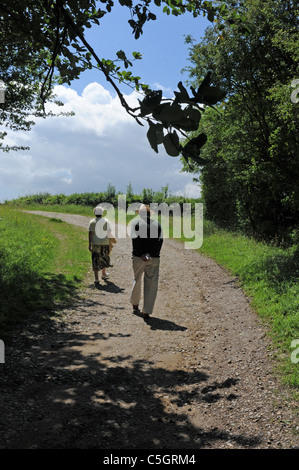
{"x":59,"y":397}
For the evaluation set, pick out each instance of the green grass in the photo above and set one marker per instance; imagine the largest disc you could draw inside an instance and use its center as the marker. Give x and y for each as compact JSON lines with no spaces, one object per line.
{"x":65,"y":209}
{"x":42,"y":263}
{"x":269,"y":276}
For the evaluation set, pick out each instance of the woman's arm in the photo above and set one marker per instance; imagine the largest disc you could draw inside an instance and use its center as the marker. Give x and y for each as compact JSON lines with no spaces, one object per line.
{"x":89,"y":240}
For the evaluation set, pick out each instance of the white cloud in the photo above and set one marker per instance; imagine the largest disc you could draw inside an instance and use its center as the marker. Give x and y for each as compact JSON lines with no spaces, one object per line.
{"x":96,"y":110}
{"x":168,"y":92}
{"x":101,"y":144}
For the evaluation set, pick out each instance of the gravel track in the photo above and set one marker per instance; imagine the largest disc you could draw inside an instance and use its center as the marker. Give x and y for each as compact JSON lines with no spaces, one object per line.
{"x":197,"y":375}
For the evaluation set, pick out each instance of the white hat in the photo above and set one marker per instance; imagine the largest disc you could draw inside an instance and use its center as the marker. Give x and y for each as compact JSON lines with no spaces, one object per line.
{"x":145,"y":208}
{"x":98,"y":210}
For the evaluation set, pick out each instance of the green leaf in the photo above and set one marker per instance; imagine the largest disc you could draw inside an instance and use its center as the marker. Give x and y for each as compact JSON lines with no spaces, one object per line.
{"x":127,"y":3}
{"x":200,"y":140}
{"x":171,"y":143}
{"x":170,"y":113}
{"x":182,"y":96}
{"x":198,"y":160}
{"x":188,"y":119}
{"x":137,"y":55}
{"x":151,"y":135}
{"x":192,"y":113}
{"x":207,"y":94}
{"x":155,"y":135}
{"x":121,"y":55}
{"x":150,"y":102}
{"x":159,"y":133}
{"x":211,"y":16}
{"x":223,"y":9}
{"x":213,"y":95}
{"x":192,"y":148}
{"x":204,"y":84}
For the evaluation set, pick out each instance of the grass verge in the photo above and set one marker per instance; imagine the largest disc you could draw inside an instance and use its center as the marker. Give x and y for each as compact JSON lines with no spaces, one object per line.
{"x":269,"y":276}
{"x":62,"y":208}
{"x":42,"y":262}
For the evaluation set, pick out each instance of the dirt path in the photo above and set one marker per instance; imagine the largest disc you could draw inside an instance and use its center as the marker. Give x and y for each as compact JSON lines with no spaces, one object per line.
{"x":196,"y":375}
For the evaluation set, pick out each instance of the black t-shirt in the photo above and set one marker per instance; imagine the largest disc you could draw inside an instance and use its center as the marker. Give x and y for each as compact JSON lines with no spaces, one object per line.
{"x":147,"y":237}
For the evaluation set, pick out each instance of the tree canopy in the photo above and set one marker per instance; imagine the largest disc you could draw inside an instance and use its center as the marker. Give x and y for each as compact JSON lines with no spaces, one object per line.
{"x":43,"y":43}
{"x":249,"y":167}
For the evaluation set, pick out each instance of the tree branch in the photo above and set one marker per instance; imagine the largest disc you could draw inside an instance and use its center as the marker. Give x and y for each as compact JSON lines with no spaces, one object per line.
{"x":76,"y":30}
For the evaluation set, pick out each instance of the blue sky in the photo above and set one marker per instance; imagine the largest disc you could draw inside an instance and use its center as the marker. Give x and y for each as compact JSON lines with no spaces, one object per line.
{"x":162,"y":45}
{"x":101,"y":144}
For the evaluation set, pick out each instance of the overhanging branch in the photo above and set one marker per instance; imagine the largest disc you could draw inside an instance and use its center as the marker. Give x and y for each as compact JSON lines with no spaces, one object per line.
{"x":101,"y":66}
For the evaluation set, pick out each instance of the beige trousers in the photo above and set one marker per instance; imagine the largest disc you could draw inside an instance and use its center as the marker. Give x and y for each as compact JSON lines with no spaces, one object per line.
{"x":150,"y":270}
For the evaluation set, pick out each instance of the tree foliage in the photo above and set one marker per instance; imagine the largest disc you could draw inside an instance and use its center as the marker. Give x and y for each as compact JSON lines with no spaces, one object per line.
{"x":43,"y":42}
{"x":249,"y":168}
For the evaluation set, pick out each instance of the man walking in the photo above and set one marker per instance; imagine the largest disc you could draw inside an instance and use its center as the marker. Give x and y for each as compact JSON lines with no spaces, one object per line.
{"x":147,"y":240}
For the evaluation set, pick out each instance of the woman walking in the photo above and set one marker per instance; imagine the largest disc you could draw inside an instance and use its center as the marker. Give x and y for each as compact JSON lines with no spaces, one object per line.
{"x":100,"y":242}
